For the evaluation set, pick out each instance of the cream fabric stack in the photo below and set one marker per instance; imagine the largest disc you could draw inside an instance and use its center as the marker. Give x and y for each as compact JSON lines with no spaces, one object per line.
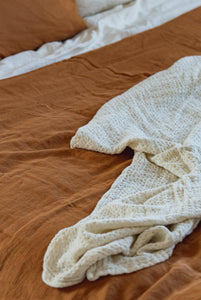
{"x":156,"y":201}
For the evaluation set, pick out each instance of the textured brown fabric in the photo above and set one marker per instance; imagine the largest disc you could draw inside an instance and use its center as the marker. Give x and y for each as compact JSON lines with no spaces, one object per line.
{"x":27,"y":24}
{"x":45,"y":186}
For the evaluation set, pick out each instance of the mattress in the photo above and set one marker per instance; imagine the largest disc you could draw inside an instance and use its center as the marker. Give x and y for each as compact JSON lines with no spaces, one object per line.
{"x":46,"y":186}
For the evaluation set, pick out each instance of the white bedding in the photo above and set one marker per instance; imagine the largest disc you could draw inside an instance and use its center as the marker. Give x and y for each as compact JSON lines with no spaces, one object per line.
{"x":103,"y":29}
{"x":92,"y":7}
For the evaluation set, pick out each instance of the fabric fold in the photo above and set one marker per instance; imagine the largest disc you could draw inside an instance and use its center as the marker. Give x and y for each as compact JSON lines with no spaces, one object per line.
{"x":156,"y":201}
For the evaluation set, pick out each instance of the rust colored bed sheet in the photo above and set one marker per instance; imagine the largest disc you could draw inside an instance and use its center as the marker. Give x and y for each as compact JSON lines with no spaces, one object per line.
{"x":45,"y":186}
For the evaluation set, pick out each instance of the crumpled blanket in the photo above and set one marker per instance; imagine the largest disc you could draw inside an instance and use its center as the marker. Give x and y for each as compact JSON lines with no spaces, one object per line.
{"x":156,"y":201}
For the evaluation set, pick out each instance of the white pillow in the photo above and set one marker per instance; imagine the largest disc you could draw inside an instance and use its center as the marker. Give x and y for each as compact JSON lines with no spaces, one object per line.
{"x":91,"y":7}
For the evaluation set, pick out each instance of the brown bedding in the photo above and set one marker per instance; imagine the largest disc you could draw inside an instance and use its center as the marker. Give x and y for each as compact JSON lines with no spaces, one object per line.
{"x":28,"y":24}
{"x":45,"y":186}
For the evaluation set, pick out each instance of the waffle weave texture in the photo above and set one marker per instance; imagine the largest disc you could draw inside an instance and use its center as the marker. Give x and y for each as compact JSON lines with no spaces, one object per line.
{"x":156,"y":201}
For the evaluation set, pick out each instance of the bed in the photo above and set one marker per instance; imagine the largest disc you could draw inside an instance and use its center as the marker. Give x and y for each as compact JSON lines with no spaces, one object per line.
{"x":45,"y":185}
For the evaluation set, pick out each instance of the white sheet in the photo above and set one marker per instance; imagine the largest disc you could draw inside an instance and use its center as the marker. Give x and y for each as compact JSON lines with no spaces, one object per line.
{"x":103,"y":29}
{"x":92,"y":7}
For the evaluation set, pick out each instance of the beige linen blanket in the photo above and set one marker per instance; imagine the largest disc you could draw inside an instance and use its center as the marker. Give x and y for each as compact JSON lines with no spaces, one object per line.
{"x":156,"y":201}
